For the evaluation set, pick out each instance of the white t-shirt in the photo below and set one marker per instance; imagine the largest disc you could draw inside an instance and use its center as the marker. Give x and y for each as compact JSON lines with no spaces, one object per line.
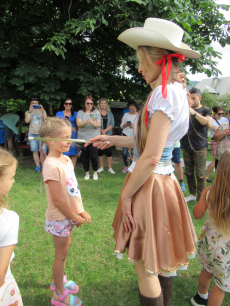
{"x":128,"y":131}
{"x":9,"y":226}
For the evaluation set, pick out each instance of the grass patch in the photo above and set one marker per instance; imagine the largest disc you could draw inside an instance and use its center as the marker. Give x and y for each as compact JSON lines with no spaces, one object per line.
{"x":103,"y":279}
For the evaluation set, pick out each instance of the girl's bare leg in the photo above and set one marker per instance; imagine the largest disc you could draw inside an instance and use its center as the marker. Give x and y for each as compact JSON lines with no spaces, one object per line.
{"x":204,"y":281}
{"x":149,"y":284}
{"x":216,"y":296}
{"x":61,"y":245}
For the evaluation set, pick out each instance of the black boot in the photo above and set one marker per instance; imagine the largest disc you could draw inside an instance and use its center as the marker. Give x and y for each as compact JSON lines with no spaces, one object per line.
{"x":145,"y":301}
{"x":167,"y":289}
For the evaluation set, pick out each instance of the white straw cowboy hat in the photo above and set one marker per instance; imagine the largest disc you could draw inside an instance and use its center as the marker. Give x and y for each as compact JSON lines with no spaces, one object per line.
{"x":158,"y":33}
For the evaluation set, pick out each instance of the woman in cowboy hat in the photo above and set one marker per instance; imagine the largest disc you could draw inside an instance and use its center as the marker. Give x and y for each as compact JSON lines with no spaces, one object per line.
{"x":152,"y":218}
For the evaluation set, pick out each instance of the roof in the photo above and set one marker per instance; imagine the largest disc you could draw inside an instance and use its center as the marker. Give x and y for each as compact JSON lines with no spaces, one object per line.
{"x":218,"y":86}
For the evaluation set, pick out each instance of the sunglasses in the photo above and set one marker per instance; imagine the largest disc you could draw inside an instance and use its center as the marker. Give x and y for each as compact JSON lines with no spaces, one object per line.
{"x":89,"y":103}
{"x":34,"y":99}
{"x":220,"y":114}
{"x":68,"y":103}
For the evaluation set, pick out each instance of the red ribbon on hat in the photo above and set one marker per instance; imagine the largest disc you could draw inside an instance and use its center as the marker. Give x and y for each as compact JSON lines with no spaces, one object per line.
{"x":168,"y":58}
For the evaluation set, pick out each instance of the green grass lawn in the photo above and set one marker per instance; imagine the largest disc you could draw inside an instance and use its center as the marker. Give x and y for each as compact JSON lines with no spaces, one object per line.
{"x":103,"y":279}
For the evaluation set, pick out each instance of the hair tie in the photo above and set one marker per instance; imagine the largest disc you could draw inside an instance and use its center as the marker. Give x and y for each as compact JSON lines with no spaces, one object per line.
{"x":168,"y":58}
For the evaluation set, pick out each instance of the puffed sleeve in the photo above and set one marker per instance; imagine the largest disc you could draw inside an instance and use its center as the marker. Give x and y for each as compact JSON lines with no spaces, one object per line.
{"x":169,"y":105}
{"x":9,"y":235}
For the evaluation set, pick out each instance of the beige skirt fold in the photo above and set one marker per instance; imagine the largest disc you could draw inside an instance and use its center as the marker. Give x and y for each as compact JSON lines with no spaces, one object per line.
{"x":164,"y":235}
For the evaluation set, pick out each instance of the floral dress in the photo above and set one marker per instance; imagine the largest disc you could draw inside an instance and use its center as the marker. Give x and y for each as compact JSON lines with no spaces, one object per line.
{"x":214,"y":253}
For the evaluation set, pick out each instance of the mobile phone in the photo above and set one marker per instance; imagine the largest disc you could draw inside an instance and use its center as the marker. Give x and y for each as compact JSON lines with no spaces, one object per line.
{"x":66,"y":117}
{"x":129,"y":122}
{"x":36,"y":106}
{"x":92,"y":116}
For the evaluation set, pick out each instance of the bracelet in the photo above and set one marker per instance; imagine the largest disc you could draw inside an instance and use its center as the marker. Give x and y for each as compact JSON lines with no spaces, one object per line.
{"x":195,"y":114}
{"x":77,"y":221}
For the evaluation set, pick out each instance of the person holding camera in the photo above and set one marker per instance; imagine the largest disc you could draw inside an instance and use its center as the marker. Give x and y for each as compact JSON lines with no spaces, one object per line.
{"x":127,"y":126}
{"x":89,"y":122}
{"x":35,"y":116}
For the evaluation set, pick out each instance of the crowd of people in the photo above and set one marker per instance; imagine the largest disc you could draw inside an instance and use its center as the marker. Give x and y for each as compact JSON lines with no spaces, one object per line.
{"x":152,"y":220}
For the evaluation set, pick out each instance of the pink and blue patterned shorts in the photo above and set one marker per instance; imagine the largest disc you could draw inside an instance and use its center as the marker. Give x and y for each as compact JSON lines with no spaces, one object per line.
{"x":61,"y":228}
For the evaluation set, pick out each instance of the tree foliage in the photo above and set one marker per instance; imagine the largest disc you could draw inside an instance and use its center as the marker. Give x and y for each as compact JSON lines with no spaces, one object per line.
{"x":59,"y":48}
{"x":211,"y":100}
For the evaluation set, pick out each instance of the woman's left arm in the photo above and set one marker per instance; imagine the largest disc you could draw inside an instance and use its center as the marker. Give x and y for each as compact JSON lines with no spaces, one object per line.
{"x":147,"y":163}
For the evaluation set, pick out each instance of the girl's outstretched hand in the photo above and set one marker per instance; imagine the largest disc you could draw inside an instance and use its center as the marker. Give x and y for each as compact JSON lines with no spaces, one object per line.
{"x":127,"y":218}
{"x":86,"y":216}
{"x":100,"y":142}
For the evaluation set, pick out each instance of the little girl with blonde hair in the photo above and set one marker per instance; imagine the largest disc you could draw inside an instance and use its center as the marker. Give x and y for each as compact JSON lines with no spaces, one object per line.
{"x":9,"y":225}
{"x":214,"y":241}
{"x":65,"y":209}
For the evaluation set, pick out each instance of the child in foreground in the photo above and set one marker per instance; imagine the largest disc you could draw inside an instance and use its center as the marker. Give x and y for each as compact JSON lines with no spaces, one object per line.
{"x":9,"y":225}
{"x":214,"y":241}
{"x":65,"y":209}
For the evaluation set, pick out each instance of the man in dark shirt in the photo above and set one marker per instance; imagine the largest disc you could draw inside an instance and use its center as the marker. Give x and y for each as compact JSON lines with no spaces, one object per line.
{"x":195,"y":144}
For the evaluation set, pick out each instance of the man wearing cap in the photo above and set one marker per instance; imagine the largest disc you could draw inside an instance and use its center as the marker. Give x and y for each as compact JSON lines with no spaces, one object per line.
{"x":195,"y":144}
{"x":9,"y":125}
{"x":35,"y":116}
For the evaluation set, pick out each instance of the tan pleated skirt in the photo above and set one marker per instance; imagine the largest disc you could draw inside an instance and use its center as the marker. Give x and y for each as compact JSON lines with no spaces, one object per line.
{"x":164,"y":237}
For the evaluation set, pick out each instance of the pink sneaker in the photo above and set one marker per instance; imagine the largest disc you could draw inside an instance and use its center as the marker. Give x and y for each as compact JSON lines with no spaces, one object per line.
{"x":125,"y":169}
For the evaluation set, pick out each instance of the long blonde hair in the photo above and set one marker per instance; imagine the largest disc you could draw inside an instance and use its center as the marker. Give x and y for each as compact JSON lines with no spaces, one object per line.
{"x":151,"y":54}
{"x":53,"y":126}
{"x":6,"y":161}
{"x":219,"y":196}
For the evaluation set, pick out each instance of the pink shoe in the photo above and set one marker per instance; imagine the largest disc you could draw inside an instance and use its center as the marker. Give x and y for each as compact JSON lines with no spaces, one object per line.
{"x":57,"y":300}
{"x":125,"y":169}
{"x":70,"y":285}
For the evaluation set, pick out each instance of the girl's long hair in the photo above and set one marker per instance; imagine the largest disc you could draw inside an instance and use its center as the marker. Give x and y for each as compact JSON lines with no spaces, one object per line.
{"x":219,"y":196}
{"x":6,"y":161}
{"x":149,"y":54}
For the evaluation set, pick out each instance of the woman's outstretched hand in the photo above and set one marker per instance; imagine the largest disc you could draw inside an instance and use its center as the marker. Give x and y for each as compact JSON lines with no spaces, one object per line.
{"x":127,"y":218}
{"x":101,"y":142}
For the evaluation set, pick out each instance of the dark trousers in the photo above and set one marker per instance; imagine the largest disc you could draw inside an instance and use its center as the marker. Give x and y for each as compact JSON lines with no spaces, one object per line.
{"x":90,"y":154}
{"x":195,"y":160}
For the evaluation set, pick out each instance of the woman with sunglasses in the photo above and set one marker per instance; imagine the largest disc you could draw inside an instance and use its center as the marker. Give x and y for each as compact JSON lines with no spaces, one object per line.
{"x":218,"y":118}
{"x":69,"y":114}
{"x":89,"y":122}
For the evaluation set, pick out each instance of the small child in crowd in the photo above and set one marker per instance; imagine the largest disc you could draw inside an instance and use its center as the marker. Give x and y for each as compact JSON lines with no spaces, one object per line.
{"x":214,"y":241}
{"x":65,"y":209}
{"x":9,"y":225}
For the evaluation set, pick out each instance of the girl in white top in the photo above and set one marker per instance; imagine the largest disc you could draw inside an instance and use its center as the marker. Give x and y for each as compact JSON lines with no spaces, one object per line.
{"x":9,"y":225}
{"x":127,"y":126}
{"x":152,"y":219}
